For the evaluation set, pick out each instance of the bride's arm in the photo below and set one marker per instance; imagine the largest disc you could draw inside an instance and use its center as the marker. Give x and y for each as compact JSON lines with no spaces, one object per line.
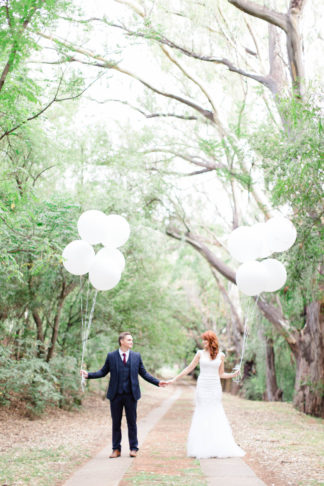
{"x":222,"y":374}
{"x":189,"y":368}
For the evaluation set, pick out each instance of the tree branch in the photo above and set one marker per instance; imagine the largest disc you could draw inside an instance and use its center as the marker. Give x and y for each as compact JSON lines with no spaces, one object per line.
{"x":46,"y":107}
{"x":261,"y":12}
{"x":215,"y":262}
{"x":109,"y":65}
{"x":192,"y":159}
{"x":147,"y":115}
{"x":216,"y":60}
{"x":200,"y":86}
{"x":269,"y":311}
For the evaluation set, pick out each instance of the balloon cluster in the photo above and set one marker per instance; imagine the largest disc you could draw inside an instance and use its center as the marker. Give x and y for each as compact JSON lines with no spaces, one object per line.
{"x":249,"y":243}
{"x":106,"y":266}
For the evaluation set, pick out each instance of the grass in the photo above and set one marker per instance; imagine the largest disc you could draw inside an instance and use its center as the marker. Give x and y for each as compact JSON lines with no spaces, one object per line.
{"x":311,"y":483}
{"x":189,"y":477}
{"x":37,"y":466}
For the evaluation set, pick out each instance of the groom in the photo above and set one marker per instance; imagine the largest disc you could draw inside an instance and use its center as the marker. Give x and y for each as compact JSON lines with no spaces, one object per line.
{"x":124,"y":366}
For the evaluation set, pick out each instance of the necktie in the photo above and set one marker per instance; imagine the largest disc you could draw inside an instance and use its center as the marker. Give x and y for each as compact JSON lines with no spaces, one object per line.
{"x":124,"y":358}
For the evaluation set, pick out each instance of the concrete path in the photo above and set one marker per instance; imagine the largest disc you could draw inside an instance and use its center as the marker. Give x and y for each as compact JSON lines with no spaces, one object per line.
{"x":102,"y":471}
{"x":229,"y":472}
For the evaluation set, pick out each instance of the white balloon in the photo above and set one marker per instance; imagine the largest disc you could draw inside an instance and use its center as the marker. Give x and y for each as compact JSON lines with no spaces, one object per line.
{"x":91,"y":226}
{"x":251,"y":277}
{"x":243,"y":244}
{"x":113,"y":255}
{"x":116,"y":231}
{"x":281,"y":233}
{"x":104,"y":274}
{"x":276,"y":274}
{"x":78,"y":256}
{"x":260,"y":232}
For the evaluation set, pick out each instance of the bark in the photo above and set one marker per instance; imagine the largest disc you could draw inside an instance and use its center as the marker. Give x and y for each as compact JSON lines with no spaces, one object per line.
{"x":277,"y":72}
{"x":211,"y":258}
{"x":66,"y":290}
{"x":40,"y":334}
{"x":295,"y":45}
{"x":309,"y":385}
{"x":55,"y":330}
{"x":273,"y":393}
{"x":290,"y":24}
{"x":261,"y":12}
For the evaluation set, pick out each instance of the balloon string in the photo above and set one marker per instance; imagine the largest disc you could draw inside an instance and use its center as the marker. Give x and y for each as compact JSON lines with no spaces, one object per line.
{"x":83,"y":316}
{"x":249,"y":316}
{"x":86,"y":327}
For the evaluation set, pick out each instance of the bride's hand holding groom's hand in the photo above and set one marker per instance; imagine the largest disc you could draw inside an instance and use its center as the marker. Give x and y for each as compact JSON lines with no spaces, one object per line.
{"x":171,"y":382}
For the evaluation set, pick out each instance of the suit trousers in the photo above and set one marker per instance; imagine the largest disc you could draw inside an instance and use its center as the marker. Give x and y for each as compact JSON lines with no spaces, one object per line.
{"x":117,"y":404}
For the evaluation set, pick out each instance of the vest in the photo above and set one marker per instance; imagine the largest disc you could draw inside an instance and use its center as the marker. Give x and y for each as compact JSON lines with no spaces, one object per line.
{"x":124,"y":382}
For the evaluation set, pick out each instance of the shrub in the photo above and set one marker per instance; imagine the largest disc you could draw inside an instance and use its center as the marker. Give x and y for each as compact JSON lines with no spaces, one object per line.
{"x":36,"y":384}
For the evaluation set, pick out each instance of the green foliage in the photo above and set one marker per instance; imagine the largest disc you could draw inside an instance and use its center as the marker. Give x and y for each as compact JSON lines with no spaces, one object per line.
{"x":292,"y":160}
{"x":36,"y":384}
{"x":37,"y":221}
{"x":285,"y":368}
{"x":22,"y":96}
{"x":34,"y":232}
{"x":254,"y":386}
{"x":20,"y":20}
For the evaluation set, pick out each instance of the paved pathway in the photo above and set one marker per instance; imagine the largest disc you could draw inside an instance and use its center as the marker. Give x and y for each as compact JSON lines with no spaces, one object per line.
{"x":229,"y":472}
{"x":101,"y":471}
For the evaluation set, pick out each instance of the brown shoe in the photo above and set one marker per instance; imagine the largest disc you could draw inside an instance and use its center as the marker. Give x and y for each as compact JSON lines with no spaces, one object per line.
{"x":115,"y":453}
{"x":133,"y":453}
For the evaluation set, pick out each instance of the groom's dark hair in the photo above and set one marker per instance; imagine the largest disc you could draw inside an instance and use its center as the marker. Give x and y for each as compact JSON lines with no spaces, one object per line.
{"x":122,"y":335}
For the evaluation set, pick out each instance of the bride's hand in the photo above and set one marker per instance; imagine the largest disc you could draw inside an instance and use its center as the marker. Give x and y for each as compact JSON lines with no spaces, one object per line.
{"x":170,"y":382}
{"x":236,"y":372}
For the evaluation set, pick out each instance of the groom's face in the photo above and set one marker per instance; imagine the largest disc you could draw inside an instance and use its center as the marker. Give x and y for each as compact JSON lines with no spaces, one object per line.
{"x":127,"y":342}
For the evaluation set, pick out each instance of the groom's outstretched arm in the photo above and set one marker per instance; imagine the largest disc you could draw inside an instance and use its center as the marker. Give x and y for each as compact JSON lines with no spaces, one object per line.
{"x":101,"y":373}
{"x":144,"y":374}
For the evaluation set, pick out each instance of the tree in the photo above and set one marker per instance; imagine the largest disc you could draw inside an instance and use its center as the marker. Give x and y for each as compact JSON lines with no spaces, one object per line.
{"x":224,"y":152}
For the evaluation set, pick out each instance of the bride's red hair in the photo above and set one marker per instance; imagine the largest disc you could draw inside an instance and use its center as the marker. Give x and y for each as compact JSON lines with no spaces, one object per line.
{"x":213,"y":346}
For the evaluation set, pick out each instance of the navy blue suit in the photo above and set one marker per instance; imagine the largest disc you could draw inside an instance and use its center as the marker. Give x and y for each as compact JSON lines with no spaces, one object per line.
{"x":124,"y":391}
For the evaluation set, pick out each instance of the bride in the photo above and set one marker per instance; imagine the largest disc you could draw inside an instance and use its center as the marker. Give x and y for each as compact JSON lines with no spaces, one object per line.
{"x":210,"y":433}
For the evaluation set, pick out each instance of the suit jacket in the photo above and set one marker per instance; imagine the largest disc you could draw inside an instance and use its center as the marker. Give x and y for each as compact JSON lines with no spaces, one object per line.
{"x":112,"y":364}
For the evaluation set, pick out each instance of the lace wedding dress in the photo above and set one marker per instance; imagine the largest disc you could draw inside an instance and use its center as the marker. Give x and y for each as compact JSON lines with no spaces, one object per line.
{"x":210,"y":433}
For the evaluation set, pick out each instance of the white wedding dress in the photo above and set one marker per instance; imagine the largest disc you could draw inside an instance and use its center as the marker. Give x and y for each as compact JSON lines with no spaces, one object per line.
{"x":210,"y":433}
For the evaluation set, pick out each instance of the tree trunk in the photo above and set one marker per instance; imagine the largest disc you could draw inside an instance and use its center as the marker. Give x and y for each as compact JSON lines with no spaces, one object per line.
{"x":66,"y":289}
{"x":55,"y":330}
{"x":40,"y":334}
{"x":273,"y":393}
{"x":309,"y":385}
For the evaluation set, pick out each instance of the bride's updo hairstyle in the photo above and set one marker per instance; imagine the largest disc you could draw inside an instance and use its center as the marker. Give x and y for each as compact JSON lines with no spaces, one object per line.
{"x":212,"y":339}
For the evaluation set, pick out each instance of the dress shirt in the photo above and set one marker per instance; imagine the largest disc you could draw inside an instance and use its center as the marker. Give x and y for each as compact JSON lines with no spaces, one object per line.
{"x":121,"y":354}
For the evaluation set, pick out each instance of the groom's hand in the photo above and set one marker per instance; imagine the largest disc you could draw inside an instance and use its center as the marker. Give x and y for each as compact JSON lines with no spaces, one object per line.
{"x":84,"y":373}
{"x":163,"y":383}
